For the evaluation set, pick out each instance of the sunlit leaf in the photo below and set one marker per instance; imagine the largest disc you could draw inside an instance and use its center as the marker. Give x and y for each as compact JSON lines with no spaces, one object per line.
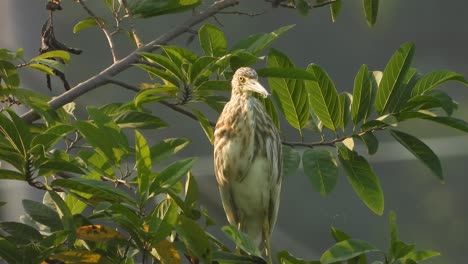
{"x":434,"y":79}
{"x":139,"y":120}
{"x":321,"y":167}
{"x":212,"y":40}
{"x":86,"y":23}
{"x":289,"y":93}
{"x":143,"y":164}
{"x":60,"y":54}
{"x":389,"y":94}
{"x":324,"y":98}
{"x":362,"y":95}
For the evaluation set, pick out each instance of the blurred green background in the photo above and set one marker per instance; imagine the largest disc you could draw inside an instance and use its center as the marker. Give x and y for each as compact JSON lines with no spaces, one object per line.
{"x":430,"y":214}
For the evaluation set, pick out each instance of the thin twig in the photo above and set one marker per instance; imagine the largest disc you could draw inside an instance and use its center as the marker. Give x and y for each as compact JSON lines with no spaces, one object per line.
{"x":129,"y":13}
{"x":287,"y":5}
{"x":102,"y":78}
{"x":102,"y":26}
{"x":242,"y":13}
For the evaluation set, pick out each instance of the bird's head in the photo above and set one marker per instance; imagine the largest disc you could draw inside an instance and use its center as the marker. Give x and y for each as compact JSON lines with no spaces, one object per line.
{"x":245,"y":81}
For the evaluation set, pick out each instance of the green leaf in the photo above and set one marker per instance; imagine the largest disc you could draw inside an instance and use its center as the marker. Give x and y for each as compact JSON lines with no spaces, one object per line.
{"x":201,"y":69}
{"x":151,"y":8}
{"x":212,"y":40}
{"x":242,"y":59}
{"x":242,"y":240}
{"x":290,"y":94}
{"x":16,"y":132}
{"x":420,"y":151}
{"x":164,"y":149}
{"x":287,"y":72}
{"x":362,"y":178}
{"x":401,"y":249}
{"x":194,"y":238}
{"x":362,"y":95}
{"x":21,"y":233}
{"x":389,"y":94}
{"x":166,"y":76}
{"x":271,"y":110}
{"x":434,"y":79}
{"x":324,"y":98}
{"x":345,"y":250}
{"x":97,"y":188}
{"x":303,"y":7}
{"x":421,"y":255}
{"x":164,"y":62}
{"x":191,"y":191}
{"x":54,"y":64}
{"x":291,"y":161}
{"x":11,"y":175}
{"x":257,"y":43}
{"x":41,"y":67}
{"x":138,"y":120}
{"x":393,"y":229}
{"x":335,"y":9}
{"x":162,"y":220}
{"x":371,"y":141}
{"x":86,"y":23}
{"x":444,"y":120}
{"x":285,"y":257}
{"x":65,"y":215}
{"x":8,"y":251}
{"x":321,"y":167}
{"x":339,"y":235}
{"x":171,"y":174}
{"x":205,"y":124}
{"x":55,"y":54}
{"x":345,"y":102}
{"x":42,"y":214}
{"x":9,"y":74}
{"x":371,"y":8}
{"x":143,"y":164}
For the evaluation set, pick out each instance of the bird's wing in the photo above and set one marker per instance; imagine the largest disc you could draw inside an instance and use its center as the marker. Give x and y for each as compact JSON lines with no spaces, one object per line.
{"x":275,"y":158}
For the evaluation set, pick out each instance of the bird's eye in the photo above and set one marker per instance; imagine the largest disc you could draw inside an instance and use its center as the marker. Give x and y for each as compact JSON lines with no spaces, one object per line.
{"x":241,"y":79}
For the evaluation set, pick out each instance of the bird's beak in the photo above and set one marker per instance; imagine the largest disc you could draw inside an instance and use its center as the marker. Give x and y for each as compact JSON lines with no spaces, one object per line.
{"x":256,"y":87}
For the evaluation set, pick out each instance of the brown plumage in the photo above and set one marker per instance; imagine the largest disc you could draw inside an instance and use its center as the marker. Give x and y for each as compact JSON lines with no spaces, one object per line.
{"x":247,"y":160}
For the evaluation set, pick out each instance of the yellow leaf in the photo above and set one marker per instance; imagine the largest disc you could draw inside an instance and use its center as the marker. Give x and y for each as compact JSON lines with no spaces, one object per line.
{"x":97,"y":233}
{"x":75,"y":257}
{"x":166,"y":253}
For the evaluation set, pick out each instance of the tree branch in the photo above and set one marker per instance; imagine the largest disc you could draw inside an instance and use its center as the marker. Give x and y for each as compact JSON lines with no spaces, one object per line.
{"x":101,"y":25}
{"x":103,"y":77}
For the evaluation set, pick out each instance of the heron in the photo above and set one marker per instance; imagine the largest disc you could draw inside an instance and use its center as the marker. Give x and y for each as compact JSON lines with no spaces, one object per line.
{"x":248,"y":161}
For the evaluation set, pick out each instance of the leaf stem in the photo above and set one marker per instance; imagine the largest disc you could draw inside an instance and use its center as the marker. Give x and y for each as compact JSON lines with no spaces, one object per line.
{"x":102,"y":26}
